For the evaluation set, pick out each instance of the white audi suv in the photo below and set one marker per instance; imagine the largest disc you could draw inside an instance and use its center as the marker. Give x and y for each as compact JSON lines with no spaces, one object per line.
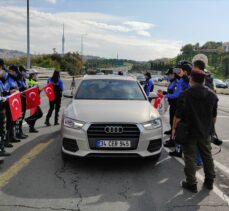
{"x":111,"y":116}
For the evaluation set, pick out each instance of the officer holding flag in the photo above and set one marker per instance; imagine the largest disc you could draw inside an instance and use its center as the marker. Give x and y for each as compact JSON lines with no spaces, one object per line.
{"x":32,"y":81}
{"x":22,"y":87}
{"x":10,"y":86}
{"x":56,"y":103}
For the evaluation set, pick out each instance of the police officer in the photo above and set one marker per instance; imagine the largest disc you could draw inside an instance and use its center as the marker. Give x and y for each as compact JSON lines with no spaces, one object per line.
{"x":173,"y":79}
{"x":9,"y":81}
{"x":2,"y":113}
{"x":21,"y":81}
{"x":31,"y":82}
{"x":55,"y":104}
{"x":183,"y":70}
{"x":149,"y":86}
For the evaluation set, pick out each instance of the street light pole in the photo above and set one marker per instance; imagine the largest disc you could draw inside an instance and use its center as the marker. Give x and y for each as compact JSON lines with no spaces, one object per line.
{"x":28,"y":38}
{"x":82,"y":47}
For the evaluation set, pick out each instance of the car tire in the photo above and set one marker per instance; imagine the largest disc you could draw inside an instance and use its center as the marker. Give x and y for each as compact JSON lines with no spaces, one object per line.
{"x":66,"y":157}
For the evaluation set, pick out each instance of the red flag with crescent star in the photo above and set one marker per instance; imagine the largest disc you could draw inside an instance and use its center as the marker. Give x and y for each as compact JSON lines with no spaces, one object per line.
{"x":15,"y":106}
{"x":49,"y":91}
{"x":32,"y":98}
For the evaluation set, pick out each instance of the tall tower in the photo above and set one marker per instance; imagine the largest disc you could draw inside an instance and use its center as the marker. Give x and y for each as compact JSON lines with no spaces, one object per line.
{"x":63,"y":42}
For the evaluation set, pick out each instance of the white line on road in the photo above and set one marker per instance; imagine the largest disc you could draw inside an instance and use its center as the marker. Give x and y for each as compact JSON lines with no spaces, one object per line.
{"x":222,"y":116}
{"x":217,"y":191}
{"x":221,"y":166}
{"x":225,"y":141}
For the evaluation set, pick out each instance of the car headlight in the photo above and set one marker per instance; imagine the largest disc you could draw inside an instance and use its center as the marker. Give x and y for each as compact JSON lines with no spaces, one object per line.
{"x":153,"y":124}
{"x":71,"y":123}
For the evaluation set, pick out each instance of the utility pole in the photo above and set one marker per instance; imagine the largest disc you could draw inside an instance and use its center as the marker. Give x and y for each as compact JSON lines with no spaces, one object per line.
{"x":82,"y":46}
{"x":63,"y":42}
{"x":82,"y":39}
{"x":28,"y":65}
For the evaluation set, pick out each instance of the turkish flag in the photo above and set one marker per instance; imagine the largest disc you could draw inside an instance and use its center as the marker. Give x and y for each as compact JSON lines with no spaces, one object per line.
{"x":158,"y":100}
{"x":49,"y":91}
{"x":15,"y":106}
{"x":32,"y":98}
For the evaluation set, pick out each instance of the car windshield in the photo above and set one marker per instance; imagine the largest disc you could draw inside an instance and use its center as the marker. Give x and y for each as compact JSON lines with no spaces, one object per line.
{"x":109,"y":90}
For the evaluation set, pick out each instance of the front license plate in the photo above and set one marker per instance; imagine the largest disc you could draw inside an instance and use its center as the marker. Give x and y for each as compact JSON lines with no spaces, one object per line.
{"x":113,"y":144}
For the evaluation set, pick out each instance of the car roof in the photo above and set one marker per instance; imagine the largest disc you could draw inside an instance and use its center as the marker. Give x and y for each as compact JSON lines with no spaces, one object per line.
{"x":109,"y":77}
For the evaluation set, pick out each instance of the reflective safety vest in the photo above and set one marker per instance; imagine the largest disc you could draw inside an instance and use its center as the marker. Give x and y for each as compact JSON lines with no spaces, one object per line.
{"x":31,"y":83}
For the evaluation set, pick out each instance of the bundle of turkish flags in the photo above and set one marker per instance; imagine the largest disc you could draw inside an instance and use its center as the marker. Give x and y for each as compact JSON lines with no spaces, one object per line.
{"x":49,"y":91}
{"x":32,"y":98}
{"x":15,"y":106}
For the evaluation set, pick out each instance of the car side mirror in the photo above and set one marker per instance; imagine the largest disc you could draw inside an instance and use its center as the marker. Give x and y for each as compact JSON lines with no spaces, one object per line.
{"x":152,"y":96}
{"x":68,"y":93}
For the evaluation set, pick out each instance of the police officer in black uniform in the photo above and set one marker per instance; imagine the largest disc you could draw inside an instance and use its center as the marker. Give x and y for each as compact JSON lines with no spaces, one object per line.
{"x":2,"y":113}
{"x":56,"y":104}
{"x":22,"y":87}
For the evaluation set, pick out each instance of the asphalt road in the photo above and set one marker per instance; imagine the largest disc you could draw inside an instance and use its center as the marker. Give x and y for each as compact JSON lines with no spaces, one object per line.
{"x":34,"y":177}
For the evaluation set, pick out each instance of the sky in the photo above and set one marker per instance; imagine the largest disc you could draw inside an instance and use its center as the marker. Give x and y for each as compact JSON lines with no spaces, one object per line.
{"x":135,"y":29}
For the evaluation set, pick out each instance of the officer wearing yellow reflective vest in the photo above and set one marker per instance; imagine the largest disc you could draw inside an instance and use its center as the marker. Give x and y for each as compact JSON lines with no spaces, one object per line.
{"x":31,"y":82}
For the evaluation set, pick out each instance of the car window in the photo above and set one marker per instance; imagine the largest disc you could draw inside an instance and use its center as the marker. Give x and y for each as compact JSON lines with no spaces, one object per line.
{"x":110,"y":90}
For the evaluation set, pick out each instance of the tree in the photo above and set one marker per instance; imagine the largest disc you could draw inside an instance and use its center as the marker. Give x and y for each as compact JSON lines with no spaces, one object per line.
{"x":225,"y":61}
{"x":71,"y":63}
{"x":187,"y":49}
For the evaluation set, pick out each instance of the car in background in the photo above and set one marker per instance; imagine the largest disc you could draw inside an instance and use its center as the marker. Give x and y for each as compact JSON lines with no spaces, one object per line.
{"x":227,"y":83}
{"x":220,"y":84}
{"x":141,"y":79}
{"x":111,"y":116}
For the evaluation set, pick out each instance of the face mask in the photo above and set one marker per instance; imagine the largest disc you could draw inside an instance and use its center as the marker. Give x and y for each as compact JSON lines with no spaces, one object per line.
{"x":36,"y":77}
{"x":24,"y":74}
{"x":170,"y":77}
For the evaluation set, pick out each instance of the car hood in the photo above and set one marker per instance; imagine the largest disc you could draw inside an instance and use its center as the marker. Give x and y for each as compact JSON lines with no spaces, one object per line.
{"x":111,"y":111}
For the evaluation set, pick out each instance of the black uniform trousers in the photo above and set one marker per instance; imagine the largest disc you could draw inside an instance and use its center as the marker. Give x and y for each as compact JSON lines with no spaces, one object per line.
{"x":32,"y":119}
{"x":9,"y":124}
{"x":55,"y":104}
{"x":172,"y":112}
{"x":2,"y":126}
{"x":20,"y":121}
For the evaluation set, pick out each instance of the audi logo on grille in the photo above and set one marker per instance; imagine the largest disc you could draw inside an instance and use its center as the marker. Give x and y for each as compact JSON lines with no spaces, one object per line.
{"x":113,"y":129}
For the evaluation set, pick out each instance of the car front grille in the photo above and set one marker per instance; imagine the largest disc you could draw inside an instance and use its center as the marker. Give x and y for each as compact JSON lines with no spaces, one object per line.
{"x":129,"y":132}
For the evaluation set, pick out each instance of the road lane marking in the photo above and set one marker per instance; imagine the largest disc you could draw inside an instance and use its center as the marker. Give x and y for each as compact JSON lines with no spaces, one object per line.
{"x":225,"y":141}
{"x":221,"y":166}
{"x":6,"y":176}
{"x":220,"y":116}
{"x":216,"y":190}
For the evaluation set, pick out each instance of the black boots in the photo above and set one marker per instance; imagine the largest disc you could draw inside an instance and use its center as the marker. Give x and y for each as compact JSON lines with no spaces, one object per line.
{"x":21,"y":135}
{"x":208,"y":183}
{"x":47,"y":123}
{"x":33,"y":130}
{"x":192,"y":188}
{"x":176,"y":154}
